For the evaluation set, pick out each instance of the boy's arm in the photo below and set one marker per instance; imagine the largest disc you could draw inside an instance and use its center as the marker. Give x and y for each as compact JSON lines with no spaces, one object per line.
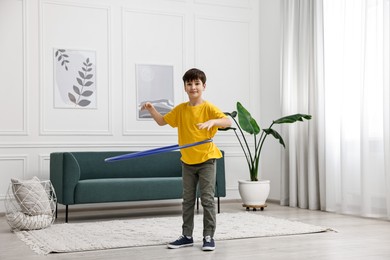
{"x":220,"y":123}
{"x":154,"y":113}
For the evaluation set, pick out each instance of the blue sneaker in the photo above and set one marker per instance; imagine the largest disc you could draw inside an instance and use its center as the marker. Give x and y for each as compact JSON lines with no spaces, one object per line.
{"x":182,"y":241}
{"x":208,"y":244}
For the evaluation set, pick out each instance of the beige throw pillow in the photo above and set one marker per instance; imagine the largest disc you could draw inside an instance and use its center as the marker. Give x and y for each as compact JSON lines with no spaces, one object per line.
{"x":20,"y":221}
{"x":31,"y":196}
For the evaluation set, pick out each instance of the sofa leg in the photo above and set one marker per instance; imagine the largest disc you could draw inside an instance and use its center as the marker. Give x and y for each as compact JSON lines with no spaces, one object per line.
{"x":219,"y":205}
{"x":66,"y":214}
{"x":197,"y":204}
{"x":56,"y":210}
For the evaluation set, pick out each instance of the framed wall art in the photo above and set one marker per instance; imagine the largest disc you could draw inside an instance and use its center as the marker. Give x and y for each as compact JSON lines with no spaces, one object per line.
{"x":74,"y":79}
{"x":155,"y":85}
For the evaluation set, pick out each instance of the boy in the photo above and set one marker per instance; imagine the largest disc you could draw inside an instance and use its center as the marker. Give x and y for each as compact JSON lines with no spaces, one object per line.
{"x":196,"y":120}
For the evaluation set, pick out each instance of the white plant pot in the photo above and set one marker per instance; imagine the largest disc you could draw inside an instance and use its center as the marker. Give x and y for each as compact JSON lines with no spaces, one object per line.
{"x":254,"y":193}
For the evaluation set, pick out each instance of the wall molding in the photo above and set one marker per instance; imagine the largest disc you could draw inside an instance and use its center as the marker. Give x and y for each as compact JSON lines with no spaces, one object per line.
{"x":15,"y":157}
{"x":235,"y":19}
{"x":117,"y":144}
{"x":126,"y":83}
{"x":239,"y":19}
{"x":24,"y":130}
{"x":232,"y":3}
{"x":123,"y":33}
{"x":43,"y":131}
{"x":77,"y":133}
{"x":43,"y":160}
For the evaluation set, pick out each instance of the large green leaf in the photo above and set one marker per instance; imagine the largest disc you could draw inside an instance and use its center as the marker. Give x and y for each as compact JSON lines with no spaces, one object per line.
{"x":275,"y":134}
{"x":292,"y":118}
{"x":246,"y":121}
{"x":232,"y":114}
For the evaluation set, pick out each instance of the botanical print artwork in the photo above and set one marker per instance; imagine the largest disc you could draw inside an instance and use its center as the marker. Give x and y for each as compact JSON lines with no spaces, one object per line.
{"x":74,"y":79}
{"x":154,"y":85}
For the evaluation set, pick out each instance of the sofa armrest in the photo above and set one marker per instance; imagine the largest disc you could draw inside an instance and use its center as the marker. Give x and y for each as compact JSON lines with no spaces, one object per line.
{"x":220,"y":184}
{"x":64,"y":175}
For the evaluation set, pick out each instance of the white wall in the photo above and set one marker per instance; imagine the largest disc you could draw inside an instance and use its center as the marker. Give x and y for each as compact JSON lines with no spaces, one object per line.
{"x":222,"y":37}
{"x":270,"y":34}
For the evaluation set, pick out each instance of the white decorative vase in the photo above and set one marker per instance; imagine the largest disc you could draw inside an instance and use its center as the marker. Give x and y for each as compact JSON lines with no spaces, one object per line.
{"x":254,"y":193}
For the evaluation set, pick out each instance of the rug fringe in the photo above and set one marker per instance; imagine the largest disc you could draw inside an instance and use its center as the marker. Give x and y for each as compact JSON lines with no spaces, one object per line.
{"x":36,"y":247}
{"x":77,"y":237}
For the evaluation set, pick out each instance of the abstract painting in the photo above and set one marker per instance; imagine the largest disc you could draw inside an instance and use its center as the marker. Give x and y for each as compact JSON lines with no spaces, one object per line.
{"x":74,"y":79}
{"x":154,"y":85}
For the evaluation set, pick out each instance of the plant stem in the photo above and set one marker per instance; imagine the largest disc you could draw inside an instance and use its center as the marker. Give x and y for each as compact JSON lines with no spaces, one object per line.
{"x":246,"y":143}
{"x":248,"y":155}
{"x":242,"y":147}
{"x":262,"y":139}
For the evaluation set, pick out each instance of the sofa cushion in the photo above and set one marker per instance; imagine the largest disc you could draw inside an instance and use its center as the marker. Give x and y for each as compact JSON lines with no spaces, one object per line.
{"x":127,"y":189}
{"x":93,"y":166}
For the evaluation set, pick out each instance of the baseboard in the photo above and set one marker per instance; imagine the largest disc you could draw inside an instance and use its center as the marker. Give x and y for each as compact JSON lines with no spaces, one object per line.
{"x":136,"y":205}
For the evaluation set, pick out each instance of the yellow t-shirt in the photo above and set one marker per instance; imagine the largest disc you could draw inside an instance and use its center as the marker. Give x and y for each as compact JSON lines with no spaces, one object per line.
{"x":185,"y":117}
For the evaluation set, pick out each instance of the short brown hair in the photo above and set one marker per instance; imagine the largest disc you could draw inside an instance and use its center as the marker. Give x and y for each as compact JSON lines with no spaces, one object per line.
{"x":194,"y":74}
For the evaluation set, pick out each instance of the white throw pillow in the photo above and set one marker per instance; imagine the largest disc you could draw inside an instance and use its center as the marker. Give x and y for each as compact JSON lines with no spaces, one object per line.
{"x":31,"y":196}
{"x":20,"y":221}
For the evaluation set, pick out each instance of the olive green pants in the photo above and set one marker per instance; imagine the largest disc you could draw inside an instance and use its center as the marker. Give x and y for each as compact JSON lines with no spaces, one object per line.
{"x":204,"y":175}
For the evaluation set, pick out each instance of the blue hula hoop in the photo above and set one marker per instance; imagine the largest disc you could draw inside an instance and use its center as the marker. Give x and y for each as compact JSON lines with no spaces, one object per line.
{"x":154,"y":151}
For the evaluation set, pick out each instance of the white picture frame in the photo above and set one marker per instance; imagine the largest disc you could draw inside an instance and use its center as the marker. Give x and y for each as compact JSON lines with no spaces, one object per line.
{"x":155,"y":85}
{"x":75,"y":79}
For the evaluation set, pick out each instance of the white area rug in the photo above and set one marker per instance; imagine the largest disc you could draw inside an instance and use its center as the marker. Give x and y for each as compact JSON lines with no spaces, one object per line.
{"x":75,"y":237}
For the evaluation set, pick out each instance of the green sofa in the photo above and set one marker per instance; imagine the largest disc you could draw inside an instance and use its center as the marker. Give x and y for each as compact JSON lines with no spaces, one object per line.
{"x":84,"y":177}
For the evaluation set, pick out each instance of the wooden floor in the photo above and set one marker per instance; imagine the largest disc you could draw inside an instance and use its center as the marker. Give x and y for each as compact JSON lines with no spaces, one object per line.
{"x":356,"y":238}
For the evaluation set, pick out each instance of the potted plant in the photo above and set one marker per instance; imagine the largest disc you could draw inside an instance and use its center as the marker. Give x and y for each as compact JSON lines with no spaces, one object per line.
{"x":249,"y":188}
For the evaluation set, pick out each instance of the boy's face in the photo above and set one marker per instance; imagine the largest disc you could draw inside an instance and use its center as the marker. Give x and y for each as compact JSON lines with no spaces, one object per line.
{"x":194,"y":88}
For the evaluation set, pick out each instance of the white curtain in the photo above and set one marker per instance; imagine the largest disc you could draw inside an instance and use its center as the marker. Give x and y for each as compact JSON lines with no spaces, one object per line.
{"x":303,"y":179}
{"x":335,"y":66}
{"x":356,"y":43}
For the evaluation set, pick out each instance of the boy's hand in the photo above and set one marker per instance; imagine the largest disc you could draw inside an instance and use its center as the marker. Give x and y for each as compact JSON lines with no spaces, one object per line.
{"x":154,"y":113}
{"x":220,"y":123}
{"x":206,"y":125}
{"x":147,"y":106}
